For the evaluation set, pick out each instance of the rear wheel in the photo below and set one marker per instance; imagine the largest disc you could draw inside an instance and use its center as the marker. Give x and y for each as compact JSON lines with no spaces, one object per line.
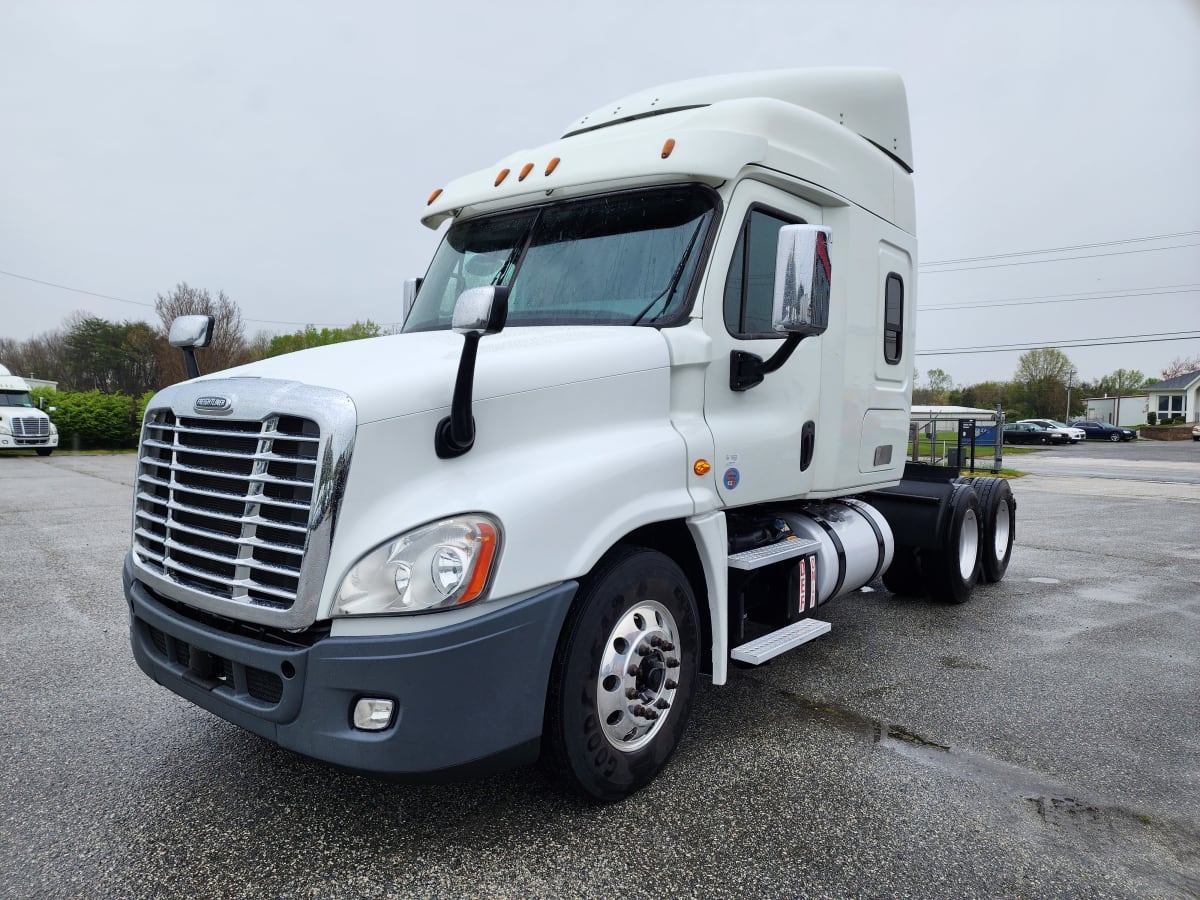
{"x":952,"y":572}
{"x":624,"y":674}
{"x":998,"y":526}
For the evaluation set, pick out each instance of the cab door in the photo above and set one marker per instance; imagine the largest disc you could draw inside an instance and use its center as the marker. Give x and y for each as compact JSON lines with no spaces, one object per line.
{"x":764,"y":436}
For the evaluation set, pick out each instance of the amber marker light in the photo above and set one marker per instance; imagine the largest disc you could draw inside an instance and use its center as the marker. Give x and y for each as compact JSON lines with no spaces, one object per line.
{"x":701,"y":467}
{"x":668,"y":147}
{"x":433,"y":196}
{"x":525,"y":170}
{"x":552,"y":165}
{"x":483,"y":565}
{"x":499,"y":178}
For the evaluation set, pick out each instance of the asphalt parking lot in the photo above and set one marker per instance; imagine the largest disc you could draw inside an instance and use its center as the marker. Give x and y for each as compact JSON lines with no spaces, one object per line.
{"x":1043,"y":739}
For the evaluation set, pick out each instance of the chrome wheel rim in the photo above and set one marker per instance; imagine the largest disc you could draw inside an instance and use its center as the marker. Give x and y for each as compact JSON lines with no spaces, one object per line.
{"x":968,"y":544}
{"x":639,"y":671}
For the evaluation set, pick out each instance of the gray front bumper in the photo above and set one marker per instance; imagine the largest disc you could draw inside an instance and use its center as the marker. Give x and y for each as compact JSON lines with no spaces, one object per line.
{"x":465,"y":693}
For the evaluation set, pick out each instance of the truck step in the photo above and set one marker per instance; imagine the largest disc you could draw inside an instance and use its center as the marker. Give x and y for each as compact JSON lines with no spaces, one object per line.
{"x":772,"y":553}
{"x":768,"y":646}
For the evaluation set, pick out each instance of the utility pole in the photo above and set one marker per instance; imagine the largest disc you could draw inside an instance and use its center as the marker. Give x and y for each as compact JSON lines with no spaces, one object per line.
{"x":1070,"y":380}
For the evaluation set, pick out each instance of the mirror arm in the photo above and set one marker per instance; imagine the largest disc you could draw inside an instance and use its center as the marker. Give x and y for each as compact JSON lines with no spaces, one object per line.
{"x":746,"y":370}
{"x":455,"y":434}
{"x":189,"y":362}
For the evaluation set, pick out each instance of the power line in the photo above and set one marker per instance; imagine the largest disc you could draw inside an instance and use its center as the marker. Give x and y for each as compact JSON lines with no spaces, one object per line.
{"x":63,"y":287}
{"x":1030,"y":262}
{"x":1064,"y":298}
{"x":75,"y":290}
{"x":1154,"y":237}
{"x":1153,"y":338}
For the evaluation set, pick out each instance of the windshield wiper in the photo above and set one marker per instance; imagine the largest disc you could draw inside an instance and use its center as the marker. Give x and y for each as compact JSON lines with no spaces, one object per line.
{"x":669,"y":290}
{"x":517,"y":250}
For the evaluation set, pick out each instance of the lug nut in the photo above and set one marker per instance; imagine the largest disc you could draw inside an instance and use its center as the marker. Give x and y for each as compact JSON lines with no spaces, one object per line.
{"x":644,"y":650}
{"x":662,"y":704}
{"x":667,"y":647}
{"x":656,"y":641}
{"x":672,"y":662}
{"x":671,"y":684}
{"x":634,"y":671}
{"x":632,"y":693}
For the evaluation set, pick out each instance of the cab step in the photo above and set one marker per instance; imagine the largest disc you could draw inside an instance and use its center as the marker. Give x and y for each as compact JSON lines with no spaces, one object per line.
{"x":759,"y":650}
{"x":772,"y":553}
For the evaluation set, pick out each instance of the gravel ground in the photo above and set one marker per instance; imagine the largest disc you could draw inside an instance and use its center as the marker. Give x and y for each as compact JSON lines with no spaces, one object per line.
{"x":1043,"y":739}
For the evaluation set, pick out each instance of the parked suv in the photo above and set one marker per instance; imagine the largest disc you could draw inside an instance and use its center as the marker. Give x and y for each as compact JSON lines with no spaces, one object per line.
{"x":1074,"y":435}
{"x":1104,"y":431}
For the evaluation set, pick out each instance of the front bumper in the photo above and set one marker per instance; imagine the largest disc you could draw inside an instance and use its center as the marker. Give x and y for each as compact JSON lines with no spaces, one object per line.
{"x":468,"y":696}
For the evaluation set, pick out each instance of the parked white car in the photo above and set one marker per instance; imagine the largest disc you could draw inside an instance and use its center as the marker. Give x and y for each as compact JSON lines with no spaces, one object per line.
{"x":1074,"y":434}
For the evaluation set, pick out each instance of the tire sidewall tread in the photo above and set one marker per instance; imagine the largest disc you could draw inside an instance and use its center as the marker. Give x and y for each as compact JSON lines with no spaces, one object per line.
{"x":575,"y":745}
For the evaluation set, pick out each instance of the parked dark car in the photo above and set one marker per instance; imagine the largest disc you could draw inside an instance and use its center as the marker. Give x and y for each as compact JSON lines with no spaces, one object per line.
{"x":1025,"y":433}
{"x":1103,"y":431}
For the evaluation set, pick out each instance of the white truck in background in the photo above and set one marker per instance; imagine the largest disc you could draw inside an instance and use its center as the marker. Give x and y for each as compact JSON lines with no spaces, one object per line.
{"x":648,"y":412}
{"x":23,"y":426}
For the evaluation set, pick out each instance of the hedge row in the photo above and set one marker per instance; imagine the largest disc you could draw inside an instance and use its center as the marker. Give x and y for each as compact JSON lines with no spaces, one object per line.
{"x":90,"y":420}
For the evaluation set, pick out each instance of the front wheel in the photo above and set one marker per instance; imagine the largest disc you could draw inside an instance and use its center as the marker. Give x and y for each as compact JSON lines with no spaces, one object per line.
{"x":623,"y":676}
{"x":1115,"y":436}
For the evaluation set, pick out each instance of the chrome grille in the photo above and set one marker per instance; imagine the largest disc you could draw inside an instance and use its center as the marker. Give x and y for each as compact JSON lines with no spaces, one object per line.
{"x":31,"y":430}
{"x":223,"y":506}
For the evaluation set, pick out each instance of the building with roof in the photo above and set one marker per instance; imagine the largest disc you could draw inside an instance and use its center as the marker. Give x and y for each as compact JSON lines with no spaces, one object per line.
{"x":1178,"y":396}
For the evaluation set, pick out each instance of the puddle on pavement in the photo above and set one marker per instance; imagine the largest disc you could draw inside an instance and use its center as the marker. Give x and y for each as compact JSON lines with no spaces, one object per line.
{"x":1040,"y":580}
{"x":1056,"y":804}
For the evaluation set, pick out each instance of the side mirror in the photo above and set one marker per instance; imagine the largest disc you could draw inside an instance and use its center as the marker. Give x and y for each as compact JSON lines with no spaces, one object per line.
{"x":800,"y":305}
{"x":412,"y":287}
{"x":477,"y":312}
{"x":482,"y":310}
{"x":802,"y":277}
{"x":190,"y":333}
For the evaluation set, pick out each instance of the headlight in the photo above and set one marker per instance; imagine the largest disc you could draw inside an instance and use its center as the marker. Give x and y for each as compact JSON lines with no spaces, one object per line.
{"x":445,"y":564}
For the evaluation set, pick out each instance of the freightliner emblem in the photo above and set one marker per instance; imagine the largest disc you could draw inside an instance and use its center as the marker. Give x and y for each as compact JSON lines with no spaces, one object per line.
{"x":213,"y":405}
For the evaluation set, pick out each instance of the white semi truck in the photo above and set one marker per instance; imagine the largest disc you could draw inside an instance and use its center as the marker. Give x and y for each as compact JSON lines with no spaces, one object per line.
{"x":23,"y":425}
{"x":648,"y":412}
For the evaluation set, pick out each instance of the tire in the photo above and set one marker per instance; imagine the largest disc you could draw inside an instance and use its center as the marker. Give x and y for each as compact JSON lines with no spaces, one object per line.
{"x":952,"y":572}
{"x":44,"y":451}
{"x":903,"y":576}
{"x":1115,"y":436}
{"x":623,"y":676}
{"x":998,"y":526}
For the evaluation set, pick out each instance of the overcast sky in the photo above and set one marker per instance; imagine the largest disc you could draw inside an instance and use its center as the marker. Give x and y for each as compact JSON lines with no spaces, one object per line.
{"x":283,"y":152}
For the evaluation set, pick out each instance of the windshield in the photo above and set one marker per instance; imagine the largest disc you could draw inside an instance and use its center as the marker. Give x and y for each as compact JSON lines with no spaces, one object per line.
{"x":16,"y":398}
{"x":620,"y":259}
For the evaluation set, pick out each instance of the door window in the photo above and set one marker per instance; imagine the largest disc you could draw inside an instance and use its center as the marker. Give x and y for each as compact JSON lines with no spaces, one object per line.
{"x":749,"y":287}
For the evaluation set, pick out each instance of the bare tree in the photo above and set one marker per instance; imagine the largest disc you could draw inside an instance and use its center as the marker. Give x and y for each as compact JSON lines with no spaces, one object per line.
{"x":228,"y":347}
{"x":1181,"y":366}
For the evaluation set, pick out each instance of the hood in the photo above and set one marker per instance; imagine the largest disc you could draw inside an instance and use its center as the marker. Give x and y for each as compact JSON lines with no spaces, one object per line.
{"x":404,"y":374}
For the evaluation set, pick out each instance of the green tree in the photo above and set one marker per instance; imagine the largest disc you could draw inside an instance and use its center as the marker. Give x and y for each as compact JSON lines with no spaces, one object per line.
{"x":309,"y":336}
{"x":984,"y":395}
{"x":1120,"y":383}
{"x":114,"y":357}
{"x":1040,"y":382}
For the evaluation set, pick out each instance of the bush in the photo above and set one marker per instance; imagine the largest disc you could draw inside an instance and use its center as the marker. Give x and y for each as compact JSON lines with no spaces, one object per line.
{"x":1151,"y":418}
{"x":92,"y":420}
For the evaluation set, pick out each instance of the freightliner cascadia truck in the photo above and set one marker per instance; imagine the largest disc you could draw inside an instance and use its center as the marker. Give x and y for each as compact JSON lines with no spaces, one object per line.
{"x":647,"y":413}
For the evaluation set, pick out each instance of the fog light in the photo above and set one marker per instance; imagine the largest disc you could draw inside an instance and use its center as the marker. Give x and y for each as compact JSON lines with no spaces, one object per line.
{"x":373,"y":713}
